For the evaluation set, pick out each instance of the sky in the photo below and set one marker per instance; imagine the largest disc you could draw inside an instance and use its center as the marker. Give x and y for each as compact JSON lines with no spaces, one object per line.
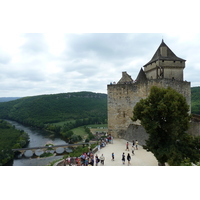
{"x":50,"y":63}
{"x":50,"y":47}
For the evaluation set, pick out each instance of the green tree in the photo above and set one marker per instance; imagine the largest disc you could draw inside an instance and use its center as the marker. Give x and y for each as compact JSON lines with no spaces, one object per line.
{"x":165,"y":116}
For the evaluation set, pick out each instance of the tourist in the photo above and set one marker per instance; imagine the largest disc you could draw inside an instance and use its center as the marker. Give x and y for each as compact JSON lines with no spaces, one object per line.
{"x":86,"y":162}
{"x":106,"y":140}
{"x":76,"y":160}
{"x":90,"y":163}
{"x":123,"y":158}
{"x":113,"y":156}
{"x":111,"y":139}
{"x":128,"y":158}
{"x":65,"y":162}
{"x":102,"y":159}
{"x":83,"y":156}
{"x":133,"y":144}
{"x":127,"y":146}
{"x":136,"y":145}
{"x":79,"y":161}
{"x":99,"y":147}
{"x":133,"y":148}
{"x":68,"y":160}
{"x":97,"y":160}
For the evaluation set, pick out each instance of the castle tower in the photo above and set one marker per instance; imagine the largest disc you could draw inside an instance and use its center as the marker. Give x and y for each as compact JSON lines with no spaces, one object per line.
{"x":165,"y":69}
{"x":165,"y":64}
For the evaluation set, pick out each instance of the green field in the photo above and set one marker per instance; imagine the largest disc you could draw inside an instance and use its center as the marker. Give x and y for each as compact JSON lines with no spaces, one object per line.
{"x":64,"y":122}
{"x":81,"y":131}
{"x":98,"y":125}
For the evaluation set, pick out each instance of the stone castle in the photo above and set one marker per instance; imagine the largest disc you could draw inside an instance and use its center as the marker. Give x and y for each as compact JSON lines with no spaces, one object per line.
{"x":163,"y":70}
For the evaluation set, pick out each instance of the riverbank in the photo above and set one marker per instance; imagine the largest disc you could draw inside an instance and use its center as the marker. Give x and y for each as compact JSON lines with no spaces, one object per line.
{"x":37,"y":137}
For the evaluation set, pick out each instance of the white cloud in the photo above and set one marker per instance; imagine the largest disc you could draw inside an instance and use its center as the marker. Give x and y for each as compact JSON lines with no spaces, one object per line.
{"x":33,"y":64}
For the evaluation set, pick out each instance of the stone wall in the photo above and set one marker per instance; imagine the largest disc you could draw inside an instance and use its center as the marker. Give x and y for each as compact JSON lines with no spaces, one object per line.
{"x":137,"y":132}
{"x":123,"y":97}
{"x":171,"y":69}
{"x":194,"y":129}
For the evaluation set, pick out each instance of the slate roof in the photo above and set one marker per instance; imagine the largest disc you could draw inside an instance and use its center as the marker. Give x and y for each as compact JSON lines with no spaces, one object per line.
{"x":141,"y":76}
{"x":170,"y":55}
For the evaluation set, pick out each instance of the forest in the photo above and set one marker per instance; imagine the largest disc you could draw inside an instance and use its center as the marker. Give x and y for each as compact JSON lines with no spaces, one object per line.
{"x":10,"y":138}
{"x":40,"y":110}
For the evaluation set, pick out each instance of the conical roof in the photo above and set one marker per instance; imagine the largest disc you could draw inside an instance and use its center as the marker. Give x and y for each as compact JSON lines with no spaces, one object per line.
{"x":170,"y":55}
{"x":141,"y":76}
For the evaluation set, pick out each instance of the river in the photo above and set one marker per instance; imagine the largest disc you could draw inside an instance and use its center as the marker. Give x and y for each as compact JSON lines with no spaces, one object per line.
{"x":37,"y":138}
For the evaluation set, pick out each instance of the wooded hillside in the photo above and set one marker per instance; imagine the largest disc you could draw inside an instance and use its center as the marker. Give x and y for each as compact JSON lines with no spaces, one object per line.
{"x":43,"y":109}
{"x":10,"y":138}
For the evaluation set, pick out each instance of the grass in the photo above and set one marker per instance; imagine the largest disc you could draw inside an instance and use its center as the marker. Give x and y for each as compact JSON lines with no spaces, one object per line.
{"x":46,"y":155}
{"x":64,"y":122}
{"x":98,"y":125}
{"x":53,"y":162}
{"x":79,"y":131}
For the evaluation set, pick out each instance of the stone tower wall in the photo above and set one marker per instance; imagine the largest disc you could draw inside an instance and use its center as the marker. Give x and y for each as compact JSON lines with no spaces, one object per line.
{"x":123,"y":97}
{"x":171,"y":69}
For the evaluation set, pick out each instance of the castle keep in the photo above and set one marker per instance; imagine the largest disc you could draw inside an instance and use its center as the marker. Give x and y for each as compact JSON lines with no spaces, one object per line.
{"x":163,"y":70}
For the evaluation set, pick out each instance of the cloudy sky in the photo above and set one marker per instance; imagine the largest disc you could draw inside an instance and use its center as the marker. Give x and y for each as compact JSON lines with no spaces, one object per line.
{"x":38,"y":63}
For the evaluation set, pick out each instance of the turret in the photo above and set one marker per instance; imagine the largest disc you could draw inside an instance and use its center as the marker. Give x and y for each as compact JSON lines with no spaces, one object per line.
{"x":165,"y":64}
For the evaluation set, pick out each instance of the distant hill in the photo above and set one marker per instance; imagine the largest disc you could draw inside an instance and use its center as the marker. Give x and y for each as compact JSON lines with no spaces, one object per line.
{"x":42,"y":109}
{"x":5,"y":99}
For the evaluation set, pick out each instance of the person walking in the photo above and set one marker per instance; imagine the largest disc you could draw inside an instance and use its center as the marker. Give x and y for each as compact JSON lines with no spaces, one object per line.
{"x":111,"y":139}
{"x":86,"y":161}
{"x":129,"y":158}
{"x":133,"y":143}
{"x":99,"y":147}
{"x":123,"y":158}
{"x":127,"y":146}
{"x":65,"y":162}
{"x":97,"y":160}
{"x":113,"y":156}
{"x":68,"y":160}
{"x":102,"y":159}
{"x":133,"y":148}
{"x":136,"y":145}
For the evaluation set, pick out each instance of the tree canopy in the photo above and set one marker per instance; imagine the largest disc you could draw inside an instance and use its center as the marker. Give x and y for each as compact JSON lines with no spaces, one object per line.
{"x":165,"y":116}
{"x":10,"y":138}
{"x":43,"y":109}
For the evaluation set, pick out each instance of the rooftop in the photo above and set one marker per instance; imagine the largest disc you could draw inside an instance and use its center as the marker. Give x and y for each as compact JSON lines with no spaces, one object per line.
{"x":169,"y":55}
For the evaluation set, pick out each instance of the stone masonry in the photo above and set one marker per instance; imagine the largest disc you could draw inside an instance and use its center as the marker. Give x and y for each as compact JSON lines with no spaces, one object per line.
{"x":163,"y":70}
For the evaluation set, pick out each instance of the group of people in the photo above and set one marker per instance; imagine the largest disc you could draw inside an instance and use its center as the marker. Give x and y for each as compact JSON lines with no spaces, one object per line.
{"x":89,"y":159}
{"x":105,"y":141}
{"x":133,"y":148}
{"x":128,"y":157}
